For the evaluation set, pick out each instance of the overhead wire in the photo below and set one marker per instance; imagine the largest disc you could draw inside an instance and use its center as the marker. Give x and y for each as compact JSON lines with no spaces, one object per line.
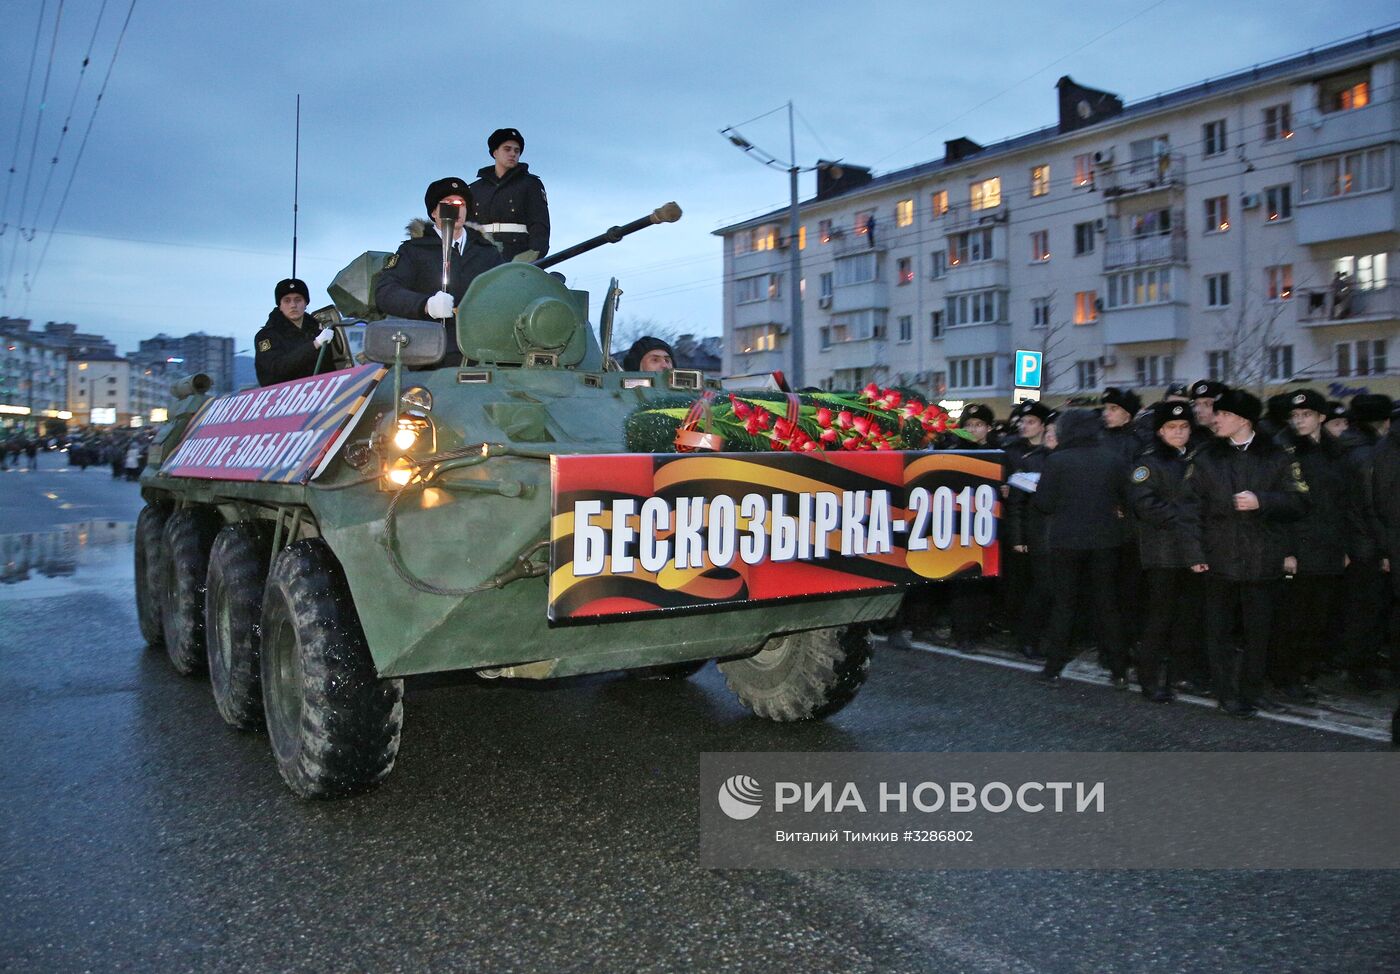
{"x":82,"y":146}
{"x":33,"y":151}
{"x":23,"y":111}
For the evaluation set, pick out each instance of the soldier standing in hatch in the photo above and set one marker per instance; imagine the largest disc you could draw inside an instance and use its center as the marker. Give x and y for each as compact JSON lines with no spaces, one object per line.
{"x":410,"y":285}
{"x":289,"y":344}
{"x":508,"y":201}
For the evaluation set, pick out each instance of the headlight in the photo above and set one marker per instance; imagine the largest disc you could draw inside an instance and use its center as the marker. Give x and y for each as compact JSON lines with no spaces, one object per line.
{"x":411,"y":431}
{"x":417,"y":397}
{"x":400,"y":471}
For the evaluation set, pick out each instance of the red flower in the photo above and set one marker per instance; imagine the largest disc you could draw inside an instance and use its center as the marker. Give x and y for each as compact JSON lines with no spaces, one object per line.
{"x":891,"y":399}
{"x":782,"y":428}
{"x":742,"y":410}
{"x":844,"y":419}
{"x":807,"y":446}
{"x":871,"y":391}
{"x":829,"y":436}
{"x":862,"y":424}
{"x":824,"y":417}
{"x":883,"y":445}
{"x":776,"y":444}
{"x":763,"y":417}
{"x":913,"y":408}
{"x":751,"y":426}
{"x":850,"y":443}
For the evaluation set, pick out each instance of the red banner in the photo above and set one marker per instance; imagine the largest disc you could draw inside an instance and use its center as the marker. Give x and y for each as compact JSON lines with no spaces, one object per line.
{"x":277,"y":433}
{"x":648,"y":533}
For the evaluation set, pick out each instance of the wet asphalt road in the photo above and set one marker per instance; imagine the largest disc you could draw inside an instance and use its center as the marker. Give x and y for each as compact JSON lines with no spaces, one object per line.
{"x":552,"y":827}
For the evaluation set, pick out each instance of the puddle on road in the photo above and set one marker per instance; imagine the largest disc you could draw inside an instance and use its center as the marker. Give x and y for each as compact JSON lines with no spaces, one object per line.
{"x":72,"y":558}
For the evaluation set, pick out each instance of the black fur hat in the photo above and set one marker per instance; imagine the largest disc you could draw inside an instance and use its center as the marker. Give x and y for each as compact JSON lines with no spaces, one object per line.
{"x":504,"y":135}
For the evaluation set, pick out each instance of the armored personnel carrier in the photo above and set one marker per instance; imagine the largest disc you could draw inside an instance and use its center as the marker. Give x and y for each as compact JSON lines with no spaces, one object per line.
{"x":311,"y":544}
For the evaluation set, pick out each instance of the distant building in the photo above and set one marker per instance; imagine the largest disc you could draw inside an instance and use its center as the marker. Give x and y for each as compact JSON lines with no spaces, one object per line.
{"x":33,"y":377}
{"x":699,"y":353}
{"x":1239,"y":229}
{"x":211,"y":354}
{"x":149,"y":391}
{"x":99,"y":391}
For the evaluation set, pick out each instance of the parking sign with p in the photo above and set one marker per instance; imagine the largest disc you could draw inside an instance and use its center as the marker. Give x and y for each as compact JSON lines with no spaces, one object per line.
{"x":1028,"y":368}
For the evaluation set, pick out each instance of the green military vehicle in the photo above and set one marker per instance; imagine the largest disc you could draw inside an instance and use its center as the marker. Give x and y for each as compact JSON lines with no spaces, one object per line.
{"x":420,"y":542}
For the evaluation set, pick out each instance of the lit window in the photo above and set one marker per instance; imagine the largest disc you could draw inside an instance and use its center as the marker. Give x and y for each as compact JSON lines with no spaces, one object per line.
{"x":865,"y":221}
{"x":1086,"y":307}
{"x":1279,"y":282}
{"x":986,"y":193}
{"x":1084,"y":171}
{"x":1217,"y":214}
{"x":1353,"y":172}
{"x":1040,"y":245}
{"x":1040,"y":180}
{"x":904,"y":213}
{"x":802,"y":237}
{"x":1344,"y":92}
{"x":938,"y":203}
{"x":82,"y":366}
{"x":1278,"y":203}
{"x":824,"y":231}
{"x":905,"y":271}
{"x":1278,"y":122}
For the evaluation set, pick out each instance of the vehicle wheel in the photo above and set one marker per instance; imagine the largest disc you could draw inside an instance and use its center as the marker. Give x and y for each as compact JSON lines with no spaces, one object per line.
{"x":802,"y":675}
{"x":671,"y":671}
{"x":150,"y":572}
{"x":188,"y":536}
{"x":334,"y":723}
{"x":233,"y":604}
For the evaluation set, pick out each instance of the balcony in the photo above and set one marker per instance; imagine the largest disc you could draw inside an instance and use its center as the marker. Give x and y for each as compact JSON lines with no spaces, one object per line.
{"x":1140,"y":176}
{"x":1142,"y":251}
{"x":859,"y":297}
{"x":988,"y":339}
{"x":846,"y":242}
{"x":964,"y":217}
{"x":1344,"y":217}
{"x":1146,"y":323}
{"x":1323,"y":307}
{"x":976,"y":276}
{"x":1316,"y":134}
{"x":766,"y":312}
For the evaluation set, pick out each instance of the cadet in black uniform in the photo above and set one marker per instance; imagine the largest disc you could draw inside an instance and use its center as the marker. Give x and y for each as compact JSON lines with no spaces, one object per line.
{"x":410,"y":286}
{"x":1242,"y":489}
{"x":1029,"y":570}
{"x":1318,"y":549}
{"x":1156,"y":493}
{"x":509,"y":201}
{"x":288,"y":345}
{"x":1203,"y":396}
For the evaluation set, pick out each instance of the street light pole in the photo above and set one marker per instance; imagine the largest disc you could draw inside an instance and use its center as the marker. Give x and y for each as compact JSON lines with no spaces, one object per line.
{"x":795,"y":251}
{"x":796,"y":373}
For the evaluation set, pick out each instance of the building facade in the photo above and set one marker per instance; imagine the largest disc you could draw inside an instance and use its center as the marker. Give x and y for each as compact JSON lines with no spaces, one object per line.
{"x":1240,"y":229}
{"x":33,"y":378}
{"x":99,"y":391}
{"x":211,"y":354}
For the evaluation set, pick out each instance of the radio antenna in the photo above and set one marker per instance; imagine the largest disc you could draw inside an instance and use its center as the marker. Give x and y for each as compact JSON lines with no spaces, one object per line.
{"x":296,"y":187}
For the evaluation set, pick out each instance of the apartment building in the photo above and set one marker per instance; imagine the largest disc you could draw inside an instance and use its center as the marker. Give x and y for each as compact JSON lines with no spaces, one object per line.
{"x":33,"y":381}
{"x":1243,"y":228}
{"x":99,"y":391}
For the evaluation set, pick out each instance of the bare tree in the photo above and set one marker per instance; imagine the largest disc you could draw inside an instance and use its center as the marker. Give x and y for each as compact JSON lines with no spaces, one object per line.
{"x":627,"y":330}
{"x":1250,"y":339}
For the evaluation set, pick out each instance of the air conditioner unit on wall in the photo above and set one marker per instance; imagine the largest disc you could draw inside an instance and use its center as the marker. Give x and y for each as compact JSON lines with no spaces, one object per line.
{"x":1104,"y":157}
{"x":1251,"y":201}
{"x":1108,"y":360}
{"x":824,"y":301}
{"x":1101,"y":225}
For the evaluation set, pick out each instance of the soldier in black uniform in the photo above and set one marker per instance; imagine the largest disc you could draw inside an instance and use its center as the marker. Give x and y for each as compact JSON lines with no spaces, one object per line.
{"x":410,"y":286}
{"x":509,"y":202}
{"x":1338,"y":420}
{"x":1029,"y":570}
{"x":1317,"y":553}
{"x":1083,"y":491}
{"x":1203,"y":396}
{"x":1242,"y":489}
{"x":1173,"y":601}
{"x":288,"y":345}
{"x":1365,"y":577}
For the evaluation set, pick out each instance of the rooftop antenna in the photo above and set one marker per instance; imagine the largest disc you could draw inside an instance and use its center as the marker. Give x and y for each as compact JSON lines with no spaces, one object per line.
{"x":296,"y":187}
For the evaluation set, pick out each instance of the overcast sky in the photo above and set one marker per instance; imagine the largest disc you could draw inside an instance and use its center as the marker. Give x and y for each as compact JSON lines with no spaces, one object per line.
{"x":179,"y":217}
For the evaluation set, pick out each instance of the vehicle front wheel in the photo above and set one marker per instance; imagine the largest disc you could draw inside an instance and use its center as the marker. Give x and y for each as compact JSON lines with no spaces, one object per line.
{"x":333,"y":722}
{"x":802,"y":675}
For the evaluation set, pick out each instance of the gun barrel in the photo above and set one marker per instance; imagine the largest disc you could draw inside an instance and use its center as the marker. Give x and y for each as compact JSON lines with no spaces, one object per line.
{"x":668,"y":213}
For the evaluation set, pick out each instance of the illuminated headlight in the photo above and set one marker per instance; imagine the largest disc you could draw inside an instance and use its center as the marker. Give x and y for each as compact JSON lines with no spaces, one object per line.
{"x":400,"y":471}
{"x":411,"y":431}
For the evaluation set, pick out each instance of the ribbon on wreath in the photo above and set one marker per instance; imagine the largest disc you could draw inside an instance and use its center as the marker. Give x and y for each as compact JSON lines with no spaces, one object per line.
{"x":689,"y":439}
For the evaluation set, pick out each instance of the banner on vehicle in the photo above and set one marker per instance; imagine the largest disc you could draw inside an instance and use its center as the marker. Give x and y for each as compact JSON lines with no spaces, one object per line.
{"x":281,"y":433}
{"x":640,"y":533}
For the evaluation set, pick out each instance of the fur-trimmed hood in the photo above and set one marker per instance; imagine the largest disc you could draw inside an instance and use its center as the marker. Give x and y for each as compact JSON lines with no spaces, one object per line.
{"x":419,"y":227}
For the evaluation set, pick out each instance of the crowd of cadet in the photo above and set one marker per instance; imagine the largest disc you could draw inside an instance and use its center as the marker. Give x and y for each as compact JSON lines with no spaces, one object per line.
{"x":501,"y":216}
{"x":1209,"y":542}
{"x":123,"y":451}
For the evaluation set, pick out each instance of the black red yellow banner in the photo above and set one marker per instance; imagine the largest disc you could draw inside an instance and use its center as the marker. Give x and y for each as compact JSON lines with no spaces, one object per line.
{"x":641,"y":533}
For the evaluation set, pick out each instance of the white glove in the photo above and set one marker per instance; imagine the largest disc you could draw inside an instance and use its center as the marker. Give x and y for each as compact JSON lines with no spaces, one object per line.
{"x":440,"y":305}
{"x":326,"y":335}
